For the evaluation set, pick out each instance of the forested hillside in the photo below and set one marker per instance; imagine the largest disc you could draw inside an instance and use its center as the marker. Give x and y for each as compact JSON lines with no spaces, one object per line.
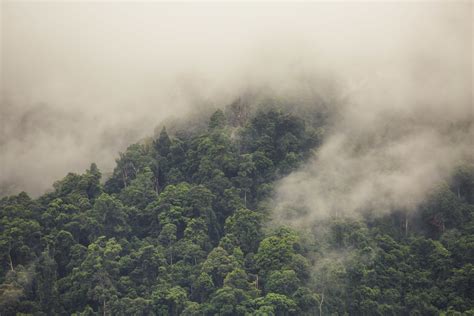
{"x":183,"y":227}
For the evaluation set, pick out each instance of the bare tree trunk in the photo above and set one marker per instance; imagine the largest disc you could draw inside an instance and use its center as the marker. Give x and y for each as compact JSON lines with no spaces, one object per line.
{"x":321,"y":304}
{"x":124,"y":177}
{"x":10,"y":261}
{"x":10,"y":256}
{"x":104,"y":307}
{"x":135,"y":170}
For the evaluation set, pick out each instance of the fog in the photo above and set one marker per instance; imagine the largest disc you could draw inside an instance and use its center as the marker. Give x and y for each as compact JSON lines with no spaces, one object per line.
{"x":401,"y":132}
{"x":82,"y":80}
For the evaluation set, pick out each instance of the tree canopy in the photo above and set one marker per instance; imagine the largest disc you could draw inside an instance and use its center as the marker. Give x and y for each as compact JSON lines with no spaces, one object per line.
{"x":181,"y":227}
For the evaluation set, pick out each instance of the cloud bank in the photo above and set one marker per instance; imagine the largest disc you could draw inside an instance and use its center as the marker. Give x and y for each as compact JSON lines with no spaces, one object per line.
{"x":401,"y":131}
{"x":81,"y":80}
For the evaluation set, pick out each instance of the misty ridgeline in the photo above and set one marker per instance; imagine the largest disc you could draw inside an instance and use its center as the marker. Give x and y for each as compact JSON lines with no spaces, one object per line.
{"x":325,"y":170}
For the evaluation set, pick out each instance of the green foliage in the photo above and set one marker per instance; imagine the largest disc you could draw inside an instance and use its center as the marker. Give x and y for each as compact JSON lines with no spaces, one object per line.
{"x":181,"y":228}
{"x":111,"y":216}
{"x":276,"y":251}
{"x":245,"y":226}
{"x":141,"y":190}
{"x":217,"y":120}
{"x":218,"y":264}
{"x":283,"y":282}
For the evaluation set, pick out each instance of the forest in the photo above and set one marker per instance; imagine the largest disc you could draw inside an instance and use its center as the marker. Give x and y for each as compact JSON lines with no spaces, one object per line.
{"x":183,"y":226}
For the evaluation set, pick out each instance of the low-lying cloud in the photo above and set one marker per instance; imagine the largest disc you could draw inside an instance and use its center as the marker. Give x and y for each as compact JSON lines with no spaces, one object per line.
{"x":400,"y":132}
{"x":82,"y":80}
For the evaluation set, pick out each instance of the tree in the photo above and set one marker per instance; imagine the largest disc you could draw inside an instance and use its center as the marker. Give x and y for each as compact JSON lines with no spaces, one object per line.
{"x":13,"y":289}
{"x":237,"y":279}
{"x":276,"y":251}
{"x":141,"y":191}
{"x":99,"y":270}
{"x":245,"y":226}
{"x":129,"y":164}
{"x":192,"y":309}
{"x":276,"y":303}
{"x":283,"y":282}
{"x":45,"y":283}
{"x":228,"y":301}
{"x":177,"y":299}
{"x":163,"y":143}
{"x":218,"y":264}
{"x":168,"y":238}
{"x":203,"y":286}
{"x":217,"y":120}
{"x":111,"y":216}
{"x":245,"y":175}
{"x":91,"y":182}
{"x":18,"y":240}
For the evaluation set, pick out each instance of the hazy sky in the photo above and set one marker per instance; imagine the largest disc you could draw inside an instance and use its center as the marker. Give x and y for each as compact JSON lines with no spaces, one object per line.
{"x":81,"y":80}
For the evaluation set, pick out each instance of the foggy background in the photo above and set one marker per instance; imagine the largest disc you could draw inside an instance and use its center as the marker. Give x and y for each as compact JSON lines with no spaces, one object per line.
{"x":82,"y":80}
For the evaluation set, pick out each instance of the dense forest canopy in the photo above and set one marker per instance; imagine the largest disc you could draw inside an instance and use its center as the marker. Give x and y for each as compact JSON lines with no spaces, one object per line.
{"x":183,"y":226}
